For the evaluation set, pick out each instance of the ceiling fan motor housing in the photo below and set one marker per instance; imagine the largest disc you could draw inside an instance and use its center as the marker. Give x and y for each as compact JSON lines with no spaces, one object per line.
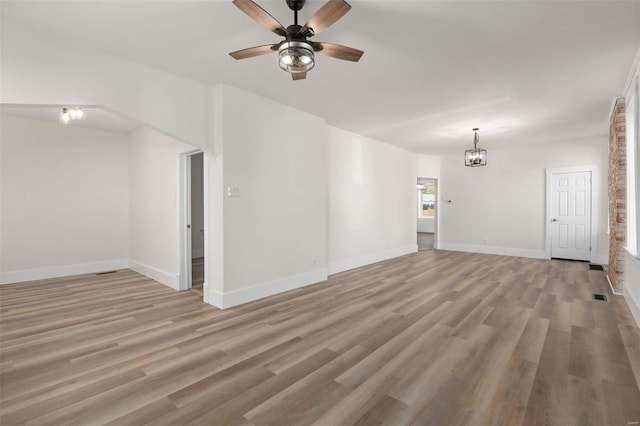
{"x":295,"y":4}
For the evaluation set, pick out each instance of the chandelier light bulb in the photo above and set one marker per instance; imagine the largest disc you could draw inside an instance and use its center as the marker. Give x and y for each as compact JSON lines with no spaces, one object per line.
{"x":79,"y":113}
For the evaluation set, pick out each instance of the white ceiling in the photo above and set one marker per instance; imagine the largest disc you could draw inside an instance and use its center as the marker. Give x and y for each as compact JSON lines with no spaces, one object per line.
{"x":521,"y":71}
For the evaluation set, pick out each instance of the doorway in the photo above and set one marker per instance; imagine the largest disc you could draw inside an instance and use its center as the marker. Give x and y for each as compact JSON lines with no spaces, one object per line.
{"x":192,"y":222}
{"x":427,"y":207}
{"x":197,"y":222}
{"x":569,"y":213}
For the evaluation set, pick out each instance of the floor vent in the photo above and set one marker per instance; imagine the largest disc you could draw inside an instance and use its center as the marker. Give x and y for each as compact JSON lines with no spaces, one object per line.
{"x":597,"y":296}
{"x":596,"y":267}
{"x":106,"y":272}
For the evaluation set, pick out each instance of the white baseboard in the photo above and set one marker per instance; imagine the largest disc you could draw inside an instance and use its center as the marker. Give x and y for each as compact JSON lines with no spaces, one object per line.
{"x":502,"y":251}
{"x":205,"y":293}
{"x":618,"y":293}
{"x":245,"y":295}
{"x":171,"y":280}
{"x":61,"y":271}
{"x":357,"y":262}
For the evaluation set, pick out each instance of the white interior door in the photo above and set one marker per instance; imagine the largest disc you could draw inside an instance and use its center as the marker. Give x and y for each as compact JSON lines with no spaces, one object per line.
{"x":571,"y":215}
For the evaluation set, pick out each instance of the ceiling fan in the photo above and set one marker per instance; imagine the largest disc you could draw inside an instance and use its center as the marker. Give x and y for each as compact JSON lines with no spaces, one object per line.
{"x":296,"y":51}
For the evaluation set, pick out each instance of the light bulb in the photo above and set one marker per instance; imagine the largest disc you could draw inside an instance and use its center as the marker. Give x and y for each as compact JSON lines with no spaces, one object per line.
{"x":64,"y":116}
{"x":72,"y":113}
{"x":79,"y":113}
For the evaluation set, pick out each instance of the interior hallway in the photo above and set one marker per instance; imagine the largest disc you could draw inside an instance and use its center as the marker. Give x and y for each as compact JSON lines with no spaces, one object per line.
{"x":425,"y":240}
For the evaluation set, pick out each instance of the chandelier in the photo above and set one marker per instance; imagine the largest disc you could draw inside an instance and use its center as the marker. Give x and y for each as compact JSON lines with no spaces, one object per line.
{"x":477,"y":156}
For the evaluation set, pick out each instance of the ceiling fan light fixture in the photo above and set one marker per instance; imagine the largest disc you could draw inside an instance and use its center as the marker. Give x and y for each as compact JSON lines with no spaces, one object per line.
{"x":296,"y":56}
{"x":296,"y":52}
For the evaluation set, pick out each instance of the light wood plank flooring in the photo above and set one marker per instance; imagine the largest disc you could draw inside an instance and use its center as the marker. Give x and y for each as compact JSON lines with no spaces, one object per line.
{"x":432,"y":338}
{"x":197,"y":275}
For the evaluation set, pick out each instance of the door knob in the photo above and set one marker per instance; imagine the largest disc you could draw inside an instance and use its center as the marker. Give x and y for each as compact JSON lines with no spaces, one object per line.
{"x":554,"y":220}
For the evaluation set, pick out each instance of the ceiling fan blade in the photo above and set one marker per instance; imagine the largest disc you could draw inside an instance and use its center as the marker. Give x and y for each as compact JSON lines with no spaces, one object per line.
{"x":326,"y":16}
{"x":261,"y":16}
{"x":253,"y":51}
{"x":337,"y":51}
{"x":299,"y":75}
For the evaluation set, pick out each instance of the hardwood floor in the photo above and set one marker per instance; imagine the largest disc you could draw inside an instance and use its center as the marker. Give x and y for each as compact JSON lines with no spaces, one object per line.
{"x":197,"y":275}
{"x":432,"y":338}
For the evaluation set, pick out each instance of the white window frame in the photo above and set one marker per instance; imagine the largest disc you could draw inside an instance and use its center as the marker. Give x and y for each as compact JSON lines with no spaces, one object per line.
{"x":632,"y":122}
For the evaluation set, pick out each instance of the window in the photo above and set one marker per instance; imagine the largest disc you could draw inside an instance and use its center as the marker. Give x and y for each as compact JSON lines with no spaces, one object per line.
{"x":631,"y":119}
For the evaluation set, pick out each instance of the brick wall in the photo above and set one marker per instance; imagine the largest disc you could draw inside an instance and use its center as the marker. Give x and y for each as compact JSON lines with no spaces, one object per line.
{"x":617,"y":195}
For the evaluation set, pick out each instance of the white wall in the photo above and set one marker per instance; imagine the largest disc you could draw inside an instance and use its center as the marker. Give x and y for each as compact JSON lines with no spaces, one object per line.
{"x":632,"y":264}
{"x":427,"y":166}
{"x":214,"y":203}
{"x":65,"y":205}
{"x":197,"y":206}
{"x":426,"y":224}
{"x":38,"y":69}
{"x":632,"y":284}
{"x":275,"y":224}
{"x":153,"y":160}
{"x":504,"y":202}
{"x":371,"y":201}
